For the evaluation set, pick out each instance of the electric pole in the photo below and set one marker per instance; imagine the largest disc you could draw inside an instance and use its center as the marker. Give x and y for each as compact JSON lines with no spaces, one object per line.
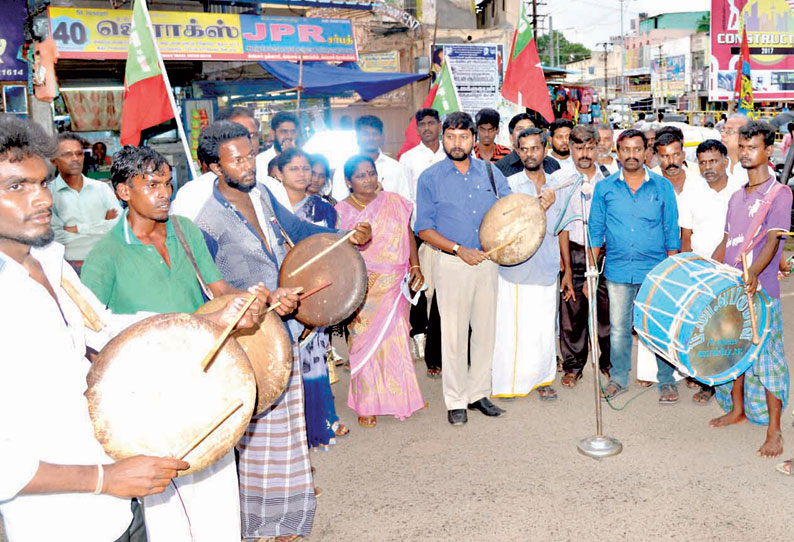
{"x":535,"y":18}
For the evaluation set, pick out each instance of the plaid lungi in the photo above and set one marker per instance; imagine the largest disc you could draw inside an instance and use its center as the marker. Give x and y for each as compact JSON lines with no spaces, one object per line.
{"x":276,"y":485}
{"x":768,"y":372}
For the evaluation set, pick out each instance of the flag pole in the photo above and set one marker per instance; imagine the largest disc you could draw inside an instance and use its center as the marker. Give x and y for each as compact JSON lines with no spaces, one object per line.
{"x":180,"y":129}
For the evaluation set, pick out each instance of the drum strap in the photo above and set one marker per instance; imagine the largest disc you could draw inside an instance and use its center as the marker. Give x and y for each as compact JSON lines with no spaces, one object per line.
{"x":180,"y":234}
{"x":750,"y":236}
{"x":490,"y":177}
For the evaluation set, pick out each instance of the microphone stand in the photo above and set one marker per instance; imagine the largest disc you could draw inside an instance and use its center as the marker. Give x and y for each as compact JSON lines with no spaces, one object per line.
{"x":597,"y":446}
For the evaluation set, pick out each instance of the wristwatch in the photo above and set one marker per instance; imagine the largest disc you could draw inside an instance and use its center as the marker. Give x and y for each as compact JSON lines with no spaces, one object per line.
{"x":455,"y":249}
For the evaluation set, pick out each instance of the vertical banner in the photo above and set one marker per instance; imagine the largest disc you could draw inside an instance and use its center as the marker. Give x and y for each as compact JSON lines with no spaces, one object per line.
{"x":12,"y":24}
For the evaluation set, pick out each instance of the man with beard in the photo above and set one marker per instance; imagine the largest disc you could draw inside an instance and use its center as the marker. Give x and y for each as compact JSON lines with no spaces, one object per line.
{"x":84,"y":210}
{"x":425,"y":320}
{"x":276,"y":490}
{"x":512,"y":164}
{"x":559,"y":132}
{"x":452,"y":198}
{"x":486,"y":148}
{"x":55,"y":477}
{"x":143,"y":265}
{"x":633,"y":217}
{"x":757,"y":214}
{"x":192,"y":196}
{"x":702,"y":209}
{"x":574,"y":332}
{"x":525,"y":350}
{"x":285,"y":136}
{"x":607,"y":163}
{"x":369,"y":133}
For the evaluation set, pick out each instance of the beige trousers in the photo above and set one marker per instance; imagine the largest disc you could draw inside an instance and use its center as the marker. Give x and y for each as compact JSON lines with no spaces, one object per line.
{"x":466,"y":296}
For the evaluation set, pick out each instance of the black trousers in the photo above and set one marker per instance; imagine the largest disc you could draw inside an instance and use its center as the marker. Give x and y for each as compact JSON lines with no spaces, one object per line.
{"x":430,"y":326}
{"x":574,"y":342}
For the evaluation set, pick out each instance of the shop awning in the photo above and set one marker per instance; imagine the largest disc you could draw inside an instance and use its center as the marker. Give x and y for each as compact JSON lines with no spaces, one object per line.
{"x":321,"y":78}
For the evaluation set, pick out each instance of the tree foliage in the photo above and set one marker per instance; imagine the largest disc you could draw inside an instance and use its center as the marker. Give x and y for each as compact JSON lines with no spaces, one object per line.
{"x":569,"y":52}
{"x":704,"y":23}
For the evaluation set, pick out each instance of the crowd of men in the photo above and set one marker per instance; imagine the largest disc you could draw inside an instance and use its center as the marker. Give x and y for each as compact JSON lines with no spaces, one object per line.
{"x":486,"y":330}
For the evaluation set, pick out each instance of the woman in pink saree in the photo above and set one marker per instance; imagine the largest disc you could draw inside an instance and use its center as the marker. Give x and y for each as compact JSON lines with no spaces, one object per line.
{"x":382,"y":377}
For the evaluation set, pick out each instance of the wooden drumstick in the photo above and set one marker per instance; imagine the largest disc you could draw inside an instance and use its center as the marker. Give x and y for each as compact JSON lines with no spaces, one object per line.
{"x":226,"y":332}
{"x":753,"y":323}
{"x":90,"y":317}
{"x":231,"y":409}
{"x":503,"y":245}
{"x":275,"y":221}
{"x":322,"y":253}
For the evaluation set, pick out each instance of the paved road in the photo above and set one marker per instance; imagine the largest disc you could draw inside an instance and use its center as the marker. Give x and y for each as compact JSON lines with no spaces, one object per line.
{"x":520,"y":478}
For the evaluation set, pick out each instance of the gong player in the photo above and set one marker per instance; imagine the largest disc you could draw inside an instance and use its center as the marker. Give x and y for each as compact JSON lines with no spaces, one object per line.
{"x":757,"y":214}
{"x":452,"y":198}
{"x":142,"y":264}
{"x":54,"y":478}
{"x":276,"y":486}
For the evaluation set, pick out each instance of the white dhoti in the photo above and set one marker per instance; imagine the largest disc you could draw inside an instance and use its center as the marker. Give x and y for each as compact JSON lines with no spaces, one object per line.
{"x":526,"y":343}
{"x":646,"y":365}
{"x":206,"y":507}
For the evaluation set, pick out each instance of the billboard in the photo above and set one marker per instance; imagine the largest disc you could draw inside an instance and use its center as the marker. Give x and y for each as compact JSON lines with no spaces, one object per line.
{"x":104,"y":34}
{"x":12,"y":26}
{"x":770,"y":35}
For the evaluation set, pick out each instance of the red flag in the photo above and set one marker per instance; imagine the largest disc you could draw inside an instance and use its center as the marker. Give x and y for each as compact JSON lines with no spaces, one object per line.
{"x":411,"y":135}
{"x":146,"y":101}
{"x":744,"y":82}
{"x":524,"y":82}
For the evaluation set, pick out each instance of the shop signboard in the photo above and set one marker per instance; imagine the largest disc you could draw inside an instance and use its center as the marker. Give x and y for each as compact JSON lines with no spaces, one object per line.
{"x":388,"y":61}
{"x":770,"y":36}
{"x":668,"y":76}
{"x":104,"y":34}
{"x":12,"y":25}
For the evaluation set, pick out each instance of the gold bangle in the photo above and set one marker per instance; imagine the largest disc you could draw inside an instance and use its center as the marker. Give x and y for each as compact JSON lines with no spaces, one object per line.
{"x":415,"y":267}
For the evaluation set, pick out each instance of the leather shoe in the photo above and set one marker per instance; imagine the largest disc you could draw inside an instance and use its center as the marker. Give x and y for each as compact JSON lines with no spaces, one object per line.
{"x":457,"y":416}
{"x":485,"y":406}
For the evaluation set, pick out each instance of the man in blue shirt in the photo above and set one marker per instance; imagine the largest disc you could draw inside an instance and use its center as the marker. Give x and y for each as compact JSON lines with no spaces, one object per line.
{"x":634,"y":213}
{"x":452,"y":198}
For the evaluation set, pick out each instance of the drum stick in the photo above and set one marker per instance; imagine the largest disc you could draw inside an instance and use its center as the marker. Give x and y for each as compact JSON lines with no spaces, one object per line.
{"x":231,"y":409}
{"x":219,"y":343}
{"x":322,"y":253}
{"x":753,"y":323}
{"x":299,"y":289}
{"x":503,"y":245}
{"x":275,"y":221}
{"x":90,"y":317}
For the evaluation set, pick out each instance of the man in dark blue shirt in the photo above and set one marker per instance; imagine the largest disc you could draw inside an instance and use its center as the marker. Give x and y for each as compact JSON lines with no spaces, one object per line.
{"x":452,"y":198}
{"x":634,"y":213}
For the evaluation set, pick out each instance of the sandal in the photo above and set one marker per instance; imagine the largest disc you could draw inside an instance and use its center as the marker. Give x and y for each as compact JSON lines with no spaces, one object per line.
{"x":785,"y":467}
{"x":703,"y":396}
{"x":612,"y":390}
{"x":434,"y":372}
{"x":367,"y":421}
{"x":668,"y":394}
{"x":569,"y":380}
{"x":547,"y":393}
{"x":340,"y":429}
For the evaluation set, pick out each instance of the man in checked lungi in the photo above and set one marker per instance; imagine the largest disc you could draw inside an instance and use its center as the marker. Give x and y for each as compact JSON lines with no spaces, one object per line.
{"x":757,"y":214}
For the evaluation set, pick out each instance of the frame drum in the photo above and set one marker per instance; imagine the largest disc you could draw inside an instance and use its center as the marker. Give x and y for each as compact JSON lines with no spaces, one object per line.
{"x":147,"y":393}
{"x":343,"y":267}
{"x":517,"y":223}
{"x":269,"y":349}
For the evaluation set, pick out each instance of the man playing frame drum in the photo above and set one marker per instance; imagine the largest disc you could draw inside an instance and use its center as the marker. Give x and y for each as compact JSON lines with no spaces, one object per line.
{"x":757,"y":214}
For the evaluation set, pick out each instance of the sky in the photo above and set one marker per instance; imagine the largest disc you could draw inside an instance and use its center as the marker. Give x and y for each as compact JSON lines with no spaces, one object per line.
{"x":593,"y":21}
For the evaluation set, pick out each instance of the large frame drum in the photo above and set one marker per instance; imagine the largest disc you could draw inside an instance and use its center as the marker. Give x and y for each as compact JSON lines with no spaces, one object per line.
{"x":693,"y":311}
{"x":517,"y":223}
{"x":148,"y":394}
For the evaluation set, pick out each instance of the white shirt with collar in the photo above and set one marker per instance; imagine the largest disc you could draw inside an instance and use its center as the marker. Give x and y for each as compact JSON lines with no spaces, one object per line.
{"x":192,"y":196}
{"x":414,"y":161}
{"x":738,"y":175}
{"x":85,"y":210}
{"x":612,"y":167}
{"x":43,"y":413}
{"x":579,"y":196}
{"x":703,"y":210}
{"x":389,"y":175}
{"x":263,"y":159}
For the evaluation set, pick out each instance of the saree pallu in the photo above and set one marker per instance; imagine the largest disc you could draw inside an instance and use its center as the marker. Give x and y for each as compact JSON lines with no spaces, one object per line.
{"x":382,"y":377}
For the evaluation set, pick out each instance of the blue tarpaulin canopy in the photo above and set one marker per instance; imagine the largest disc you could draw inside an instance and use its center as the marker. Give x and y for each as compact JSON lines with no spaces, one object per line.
{"x":326,"y":79}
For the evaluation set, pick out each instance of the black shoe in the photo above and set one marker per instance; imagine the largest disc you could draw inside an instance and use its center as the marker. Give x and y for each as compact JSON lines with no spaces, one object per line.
{"x":457,"y":416}
{"x":485,"y":406}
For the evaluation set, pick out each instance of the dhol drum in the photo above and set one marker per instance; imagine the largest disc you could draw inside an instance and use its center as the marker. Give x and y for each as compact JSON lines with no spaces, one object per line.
{"x":148,"y":394}
{"x":343,"y":268}
{"x":513,"y":229}
{"x":693,"y":312}
{"x":269,"y":349}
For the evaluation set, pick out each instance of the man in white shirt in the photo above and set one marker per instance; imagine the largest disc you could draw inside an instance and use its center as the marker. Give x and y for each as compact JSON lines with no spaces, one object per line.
{"x":285,"y":136}
{"x":671,"y":155}
{"x":429,"y":151}
{"x":606,"y":142}
{"x":84,"y":210}
{"x":369,"y":133}
{"x":559,"y":132}
{"x":191,"y":197}
{"x":54,"y":476}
